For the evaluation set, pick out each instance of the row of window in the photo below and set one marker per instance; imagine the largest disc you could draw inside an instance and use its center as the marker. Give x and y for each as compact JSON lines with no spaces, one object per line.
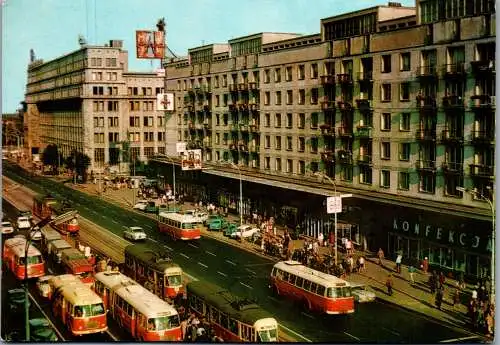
{"x":143,"y":271}
{"x":110,"y":90}
{"x":134,"y":137}
{"x":134,"y":121}
{"x":176,"y":224}
{"x":144,"y":91}
{"x":110,"y":76}
{"x":97,"y":62}
{"x":134,"y":154}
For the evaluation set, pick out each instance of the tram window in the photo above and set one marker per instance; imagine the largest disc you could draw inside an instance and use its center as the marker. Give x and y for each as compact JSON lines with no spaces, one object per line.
{"x":223,"y":320}
{"x":291,"y":278}
{"x":129,"y":309}
{"x":273,"y":272}
{"x":299,"y":282}
{"x":199,"y":306}
{"x":151,"y":274}
{"x":191,"y":301}
{"x":233,"y":326}
{"x":214,"y":315}
{"x":78,"y":311}
{"x":307,"y":285}
{"x":285,"y":275}
{"x":313,"y":287}
{"x":279,"y":274}
{"x":321,"y":290}
{"x":252,"y":334}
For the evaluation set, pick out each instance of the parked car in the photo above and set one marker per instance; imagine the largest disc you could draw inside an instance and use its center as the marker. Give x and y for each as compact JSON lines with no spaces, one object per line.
{"x":135,"y":233}
{"x":198,"y":217}
{"x":211,"y":218}
{"x":230,"y":229}
{"x":26,"y":213}
{"x":23,"y":223}
{"x":151,"y":207}
{"x":43,"y":287}
{"x":167,"y":208}
{"x":141,"y":205}
{"x":16,"y":298}
{"x":217,"y":224}
{"x":245,"y":231}
{"x":7,"y":228}
{"x":41,"y":330}
{"x":361,"y":294}
{"x":36,"y":234}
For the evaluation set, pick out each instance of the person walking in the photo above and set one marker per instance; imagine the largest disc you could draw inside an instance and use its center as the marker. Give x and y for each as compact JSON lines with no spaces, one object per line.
{"x":433,"y":282}
{"x":362,"y":263}
{"x":380,"y":255}
{"x":456,"y":296}
{"x":399,"y":258}
{"x":388,"y":284}
{"x":439,"y":297}
{"x":425,"y":265}
{"x":411,"y":272}
{"x":442,"y":279}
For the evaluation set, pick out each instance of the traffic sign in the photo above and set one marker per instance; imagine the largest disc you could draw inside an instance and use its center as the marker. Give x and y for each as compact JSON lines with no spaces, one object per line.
{"x":334,"y":204}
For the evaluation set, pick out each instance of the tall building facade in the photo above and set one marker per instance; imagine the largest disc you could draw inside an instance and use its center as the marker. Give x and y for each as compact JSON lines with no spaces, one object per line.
{"x":394,"y":104}
{"x":88,"y":101}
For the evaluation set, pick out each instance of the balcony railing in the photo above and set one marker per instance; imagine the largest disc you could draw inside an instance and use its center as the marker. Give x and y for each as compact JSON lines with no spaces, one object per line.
{"x":453,"y":167}
{"x":253,"y":85}
{"x":364,"y":131}
{"x":426,"y":102}
{"x":482,"y":102}
{"x":344,"y":131}
{"x":344,"y":78}
{"x":425,"y":134}
{"x":253,"y":106}
{"x":233,"y":108}
{"x":233,"y":87}
{"x":344,"y":156}
{"x":344,"y":106}
{"x":482,"y":137}
{"x":327,"y":105}
{"x":481,"y":170}
{"x":365,"y":159}
{"x":483,"y":66}
{"x":254,"y":128}
{"x":364,"y":77}
{"x":448,"y":135}
{"x":327,"y":155}
{"x":364,"y":104}
{"x":453,"y":102}
{"x":327,"y":79}
{"x":428,"y":165}
{"x":426,"y":72}
{"x":454,"y":69}
{"x":327,"y":130}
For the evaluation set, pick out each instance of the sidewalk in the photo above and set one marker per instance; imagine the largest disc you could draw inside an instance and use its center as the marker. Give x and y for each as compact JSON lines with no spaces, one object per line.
{"x":416,"y":298}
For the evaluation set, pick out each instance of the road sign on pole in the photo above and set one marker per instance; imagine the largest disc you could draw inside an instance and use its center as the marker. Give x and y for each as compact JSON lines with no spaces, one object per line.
{"x":333,"y":204}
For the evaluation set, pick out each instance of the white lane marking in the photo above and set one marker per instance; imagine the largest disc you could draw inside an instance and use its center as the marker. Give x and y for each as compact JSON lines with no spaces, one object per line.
{"x":274,"y":299}
{"x":114,"y":221}
{"x":222,"y":274}
{"x":192,"y":245}
{"x":209,"y":253}
{"x":199,"y":263}
{"x":153,"y":240}
{"x":48,"y":319}
{"x":115,"y":338}
{"x":149,"y":226}
{"x":309,"y":316}
{"x":230,"y":262}
{"x":392,"y":331}
{"x":168,"y":247}
{"x":246,"y":285}
{"x":190,"y":276}
{"x":295,"y":333}
{"x":249,"y":270}
{"x":459,"y":339}
{"x":184,"y":255}
{"x":352,"y":336}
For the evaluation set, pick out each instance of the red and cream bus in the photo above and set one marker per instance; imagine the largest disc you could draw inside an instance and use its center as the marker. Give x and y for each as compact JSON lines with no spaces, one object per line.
{"x":314,"y":290}
{"x":179,"y":226}
{"x":141,"y":313}
{"x":14,"y":258}
{"x":156,"y":272}
{"x":77,"y":306}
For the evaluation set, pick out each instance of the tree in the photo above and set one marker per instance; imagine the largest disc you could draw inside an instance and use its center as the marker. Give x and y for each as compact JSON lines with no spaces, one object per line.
{"x":80,"y":162}
{"x":51,"y":156}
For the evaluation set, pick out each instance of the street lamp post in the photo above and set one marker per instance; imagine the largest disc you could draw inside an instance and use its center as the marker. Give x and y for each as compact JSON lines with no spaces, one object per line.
{"x":491,"y":203}
{"x":241,"y":193}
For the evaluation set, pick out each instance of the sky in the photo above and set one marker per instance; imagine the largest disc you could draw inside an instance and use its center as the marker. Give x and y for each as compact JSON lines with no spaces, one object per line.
{"x":52,"y":27}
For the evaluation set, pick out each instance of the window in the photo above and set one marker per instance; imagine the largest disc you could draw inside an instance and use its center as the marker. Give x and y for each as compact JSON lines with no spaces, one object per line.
{"x":278,"y":97}
{"x":289,"y":97}
{"x":365,"y":174}
{"x":161,"y":137}
{"x":301,"y":72}
{"x":225,"y":99}
{"x":404,"y":123}
{"x":385,"y":179}
{"x":385,"y":150}
{"x":267,"y":141}
{"x":98,"y":138}
{"x":278,"y":164}
{"x":386,"y":93}
{"x":224,"y":80}
{"x":288,"y":73}
{"x":98,"y":90}
{"x":112,"y":105}
{"x":267,"y":98}
{"x":148,"y":121}
{"x":217,"y":138}
{"x":160,"y":121}
{"x":404,"y":62}
{"x":302,"y":167}
{"x":267,"y":76}
{"x":267,"y":163}
{"x":289,"y":120}
{"x":113,"y":121}
{"x":386,"y":64}
{"x":301,"y":144}
{"x":134,"y":121}
{"x":404,"y":151}
{"x":427,"y":183}
{"x":314,"y":120}
{"x":113,"y":137}
{"x":404,"y":92}
{"x":267,"y":120}
{"x":314,"y":145}
{"x":302,"y":96}
{"x":99,"y":155}
{"x":216,"y":81}
{"x":314,"y":96}
{"x":217,"y":119}
{"x":404,"y":180}
{"x":134,"y":105}
{"x":277,"y":75}
{"x":277,"y":120}
{"x":289,"y":166}
{"x":289,"y":145}
{"x":385,"y":122}
{"x":302,"y":120}
{"x":217,"y":100}
{"x":277,"y":143}
{"x":314,"y":71}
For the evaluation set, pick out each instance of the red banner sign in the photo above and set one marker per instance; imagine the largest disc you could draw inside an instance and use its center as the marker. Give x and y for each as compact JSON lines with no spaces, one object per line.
{"x":150,"y":44}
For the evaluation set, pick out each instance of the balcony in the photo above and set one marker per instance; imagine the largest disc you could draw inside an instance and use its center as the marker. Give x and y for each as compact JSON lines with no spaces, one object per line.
{"x":243,"y":127}
{"x":365,"y":77}
{"x":426,"y":104}
{"x":327,"y":155}
{"x":345,"y":131}
{"x":426,"y":72}
{"x":233,"y":87}
{"x":453,"y":168}
{"x":483,"y":67}
{"x":253,"y":86}
{"x":253,"y":106}
{"x":482,"y":171}
{"x":254,"y":148}
{"x":426,"y":165}
{"x":344,"y":78}
{"x":344,"y":157}
{"x":482,"y":137}
{"x":364,"y":105}
{"x":233,"y":108}
{"x":364,"y":159}
{"x":479,"y":102}
{"x":364,"y":132}
{"x":327,"y":130}
{"x":452,"y":136}
{"x":425,"y":135}
{"x":454,"y":70}
{"x":327,"y":79}
{"x":243,"y":87}
{"x":328,"y":105}
{"x":451,"y":103}
{"x":344,"y":106}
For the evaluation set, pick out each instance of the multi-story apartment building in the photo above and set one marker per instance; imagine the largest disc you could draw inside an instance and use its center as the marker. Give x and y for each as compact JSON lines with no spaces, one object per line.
{"x":88,"y":101}
{"x":394,"y":104}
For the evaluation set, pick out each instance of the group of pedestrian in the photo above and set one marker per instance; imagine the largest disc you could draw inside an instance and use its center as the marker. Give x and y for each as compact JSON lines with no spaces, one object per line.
{"x":199,"y":330}
{"x":481,"y":310}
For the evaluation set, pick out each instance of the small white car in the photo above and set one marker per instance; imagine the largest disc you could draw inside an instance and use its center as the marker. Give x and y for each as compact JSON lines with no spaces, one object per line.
{"x":7,"y":228}
{"x":135,"y":233}
{"x":245,"y":231}
{"x":23,"y":223}
{"x":361,"y":293}
{"x":141,"y":205}
{"x":36,"y":234}
{"x":43,"y":287}
{"x":197,"y":217}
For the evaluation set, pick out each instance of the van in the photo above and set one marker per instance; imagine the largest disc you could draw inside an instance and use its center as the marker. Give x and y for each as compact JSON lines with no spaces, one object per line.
{"x":23,"y":223}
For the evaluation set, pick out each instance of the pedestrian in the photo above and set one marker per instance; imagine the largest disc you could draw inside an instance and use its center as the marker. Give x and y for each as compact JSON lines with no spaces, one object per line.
{"x":331,"y":241}
{"x":361,"y":263}
{"x":399,"y":258}
{"x":380,"y":255}
{"x":411,"y":272}
{"x":320,"y":238}
{"x":348,"y":247}
{"x":474,"y":294}
{"x":425,"y":265}
{"x":442,"y":279}
{"x":439,"y":297}
{"x":389,"y":284}
{"x":456,"y":296}
{"x":433,"y":282}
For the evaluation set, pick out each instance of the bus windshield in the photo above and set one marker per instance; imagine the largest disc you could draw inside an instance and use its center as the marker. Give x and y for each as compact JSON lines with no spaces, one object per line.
{"x":174,"y":280}
{"x":163,"y":323}
{"x":267,"y":336}
{"x":32,"y":260}
{"x":89,"y":310}
{"x":344,"y":291}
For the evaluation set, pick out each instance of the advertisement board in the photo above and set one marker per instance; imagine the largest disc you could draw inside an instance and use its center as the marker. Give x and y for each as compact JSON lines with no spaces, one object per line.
{"x":191,"y":159}
{"x":165,"y":101}
{"x":181,"y":147}
{"x":150,"y":44}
